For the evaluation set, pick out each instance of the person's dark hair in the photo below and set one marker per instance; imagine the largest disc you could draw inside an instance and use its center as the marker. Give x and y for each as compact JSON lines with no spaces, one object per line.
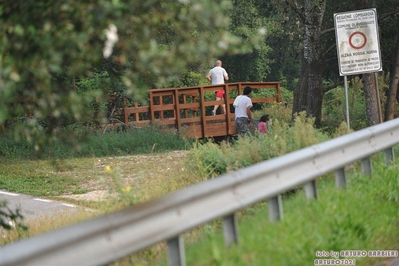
{"x":264,"y":118}
{"x":247,"y":90}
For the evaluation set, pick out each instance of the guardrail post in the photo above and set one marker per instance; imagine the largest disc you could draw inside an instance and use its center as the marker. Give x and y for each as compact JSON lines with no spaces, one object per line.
{"x":230,"y":229}
{"x":275,"y":208}
{"x":176,"y":256}
{"x":366,"y":166}
{"x":340,"y":178}
{"x":310,"y":190}
{"x":389,"y":156}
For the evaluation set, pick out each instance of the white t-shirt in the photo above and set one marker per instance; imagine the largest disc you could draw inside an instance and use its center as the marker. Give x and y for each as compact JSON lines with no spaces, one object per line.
{"x":217,"y":75}
{"x":241,"y":103}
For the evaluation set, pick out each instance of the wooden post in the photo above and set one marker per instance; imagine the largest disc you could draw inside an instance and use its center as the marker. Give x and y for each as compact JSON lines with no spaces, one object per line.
{"x":177,"y":109}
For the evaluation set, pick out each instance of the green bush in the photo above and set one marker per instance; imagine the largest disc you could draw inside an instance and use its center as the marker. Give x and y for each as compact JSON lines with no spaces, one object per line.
{"x":277,"y":111}
{"x":188,"y":79}
{"x":206,"y":159}
{"x":210,"y":159}
{"x":334,"y":107}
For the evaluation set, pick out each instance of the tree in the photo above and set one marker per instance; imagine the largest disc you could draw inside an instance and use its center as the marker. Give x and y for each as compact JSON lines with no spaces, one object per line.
{"x":54,"y":42}
{"x":393,"y":92}
{"x":318,"y":51}
{"x":308,"y":94}
{"x":246,"y":21}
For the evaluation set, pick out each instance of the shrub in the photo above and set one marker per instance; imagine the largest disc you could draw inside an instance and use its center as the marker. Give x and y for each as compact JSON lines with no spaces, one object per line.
{"x":334,"y":107}
{"x":209,"y":159}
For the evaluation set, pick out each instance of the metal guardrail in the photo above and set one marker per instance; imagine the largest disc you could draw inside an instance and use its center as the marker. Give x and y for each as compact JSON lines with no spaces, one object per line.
{"x":108,"y":238}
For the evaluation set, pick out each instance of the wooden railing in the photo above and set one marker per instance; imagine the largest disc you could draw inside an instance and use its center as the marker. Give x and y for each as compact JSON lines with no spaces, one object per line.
{"x":189,"y":111}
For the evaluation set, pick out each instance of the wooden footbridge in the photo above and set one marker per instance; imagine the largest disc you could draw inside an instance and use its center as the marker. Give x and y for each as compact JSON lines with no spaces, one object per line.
{"x":189,"y":110}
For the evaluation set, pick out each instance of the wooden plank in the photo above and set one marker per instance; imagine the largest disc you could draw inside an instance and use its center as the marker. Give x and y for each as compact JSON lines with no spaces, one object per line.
{"x":165,"y":107}
{"x":216,"y":128}
{"x":191,"y":120}
{"x":192,"y":106}
{"x":140,"y":109}
{"x":166,"y":121}
{"x":192,"y":131}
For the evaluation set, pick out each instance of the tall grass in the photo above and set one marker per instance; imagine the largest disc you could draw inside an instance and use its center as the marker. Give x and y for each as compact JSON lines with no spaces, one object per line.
{"x":148,"y":139}
{"x":210,"y":159}
{"x":365,"y":216}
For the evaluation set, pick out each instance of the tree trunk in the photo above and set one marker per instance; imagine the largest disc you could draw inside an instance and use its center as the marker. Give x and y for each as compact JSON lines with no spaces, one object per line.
{"x":370,"y":93}
{"x":308,"y":94}
{"x":393,"y":91}
{"x":370,"y":86}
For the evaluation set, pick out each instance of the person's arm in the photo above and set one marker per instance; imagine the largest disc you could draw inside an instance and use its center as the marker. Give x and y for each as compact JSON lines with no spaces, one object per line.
{"x":266,"y":128}
{"x":249,"y":113}
{"x":209,"y":76}
{"x":226,"y":76}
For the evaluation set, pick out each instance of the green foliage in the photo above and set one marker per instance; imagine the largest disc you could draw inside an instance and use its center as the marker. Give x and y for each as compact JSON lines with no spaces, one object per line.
{"x":188,"y":79}
{"x":277,"y":111}
{"x":153,"y":42}
{"x":206,"y":159}
{"x":342,"y":130}
{"x":388,"y":191}
{"x":362,"y":217}
{"x":248,"y":23}
{"x":334,"y":106}
{"x":148,"y":139}
{"x":126,"y":195}
{"x":284,"y":57}
{"x":99,"y":105}
{"x":210,"y":159}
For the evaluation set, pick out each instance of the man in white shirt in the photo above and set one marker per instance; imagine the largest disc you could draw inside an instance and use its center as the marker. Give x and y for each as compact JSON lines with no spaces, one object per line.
{"x":242,"y":105}
{"x":218,"y":75}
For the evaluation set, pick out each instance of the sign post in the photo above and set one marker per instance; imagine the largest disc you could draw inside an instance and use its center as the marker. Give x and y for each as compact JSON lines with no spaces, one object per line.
{"x":358,"y":45}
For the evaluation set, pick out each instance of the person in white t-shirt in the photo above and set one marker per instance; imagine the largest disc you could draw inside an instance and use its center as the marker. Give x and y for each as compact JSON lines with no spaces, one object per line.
{"x":242,"y":105}
{"x":218,"y":75}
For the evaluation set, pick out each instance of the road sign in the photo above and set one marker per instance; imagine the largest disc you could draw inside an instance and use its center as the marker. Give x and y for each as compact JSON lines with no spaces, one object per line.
{"x":358,"y":44}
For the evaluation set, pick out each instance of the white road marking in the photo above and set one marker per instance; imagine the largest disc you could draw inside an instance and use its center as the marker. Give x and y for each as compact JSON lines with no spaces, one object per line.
{"x":68,"y":205}
{"x":9,"y":193}
{"x":44,"y":200}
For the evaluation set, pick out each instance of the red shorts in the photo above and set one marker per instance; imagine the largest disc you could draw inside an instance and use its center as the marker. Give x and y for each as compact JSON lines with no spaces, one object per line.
{"x":220,"y":93}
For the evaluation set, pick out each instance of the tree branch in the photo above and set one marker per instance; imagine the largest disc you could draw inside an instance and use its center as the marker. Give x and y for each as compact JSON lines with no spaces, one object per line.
{"x":328,"y":50}
{"x":387,"y":15}
{"x":296,"y":9}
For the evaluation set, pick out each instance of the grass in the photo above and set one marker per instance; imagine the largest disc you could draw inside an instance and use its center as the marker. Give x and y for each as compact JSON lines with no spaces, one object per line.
{"x":124,"y":180}
{"x":365,"y":216}
{"x":114,"y":166}
{"x":145,"y":140}
{"x":41,"y":178}
{"x":148,"y":175}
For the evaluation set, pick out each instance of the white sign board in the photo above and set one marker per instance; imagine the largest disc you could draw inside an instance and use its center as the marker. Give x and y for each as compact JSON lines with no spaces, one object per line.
{"x":358,"y":44}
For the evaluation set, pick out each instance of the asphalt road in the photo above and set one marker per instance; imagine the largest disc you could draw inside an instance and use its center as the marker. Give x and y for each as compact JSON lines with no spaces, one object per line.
{"x":33,"y":207}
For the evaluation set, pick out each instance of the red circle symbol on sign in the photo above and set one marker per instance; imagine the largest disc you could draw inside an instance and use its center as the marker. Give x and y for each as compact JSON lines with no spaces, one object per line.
{"x":357,"y":40}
